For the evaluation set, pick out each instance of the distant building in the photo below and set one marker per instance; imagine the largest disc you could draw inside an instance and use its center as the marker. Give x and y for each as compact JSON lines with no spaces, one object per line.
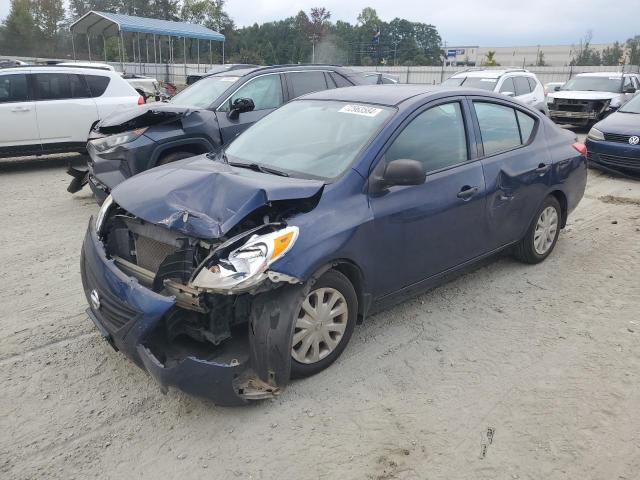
{"x":554,"y":55}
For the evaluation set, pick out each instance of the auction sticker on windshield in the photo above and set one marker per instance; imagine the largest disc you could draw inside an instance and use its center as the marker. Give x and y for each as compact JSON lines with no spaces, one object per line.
{"x":360,"y":110}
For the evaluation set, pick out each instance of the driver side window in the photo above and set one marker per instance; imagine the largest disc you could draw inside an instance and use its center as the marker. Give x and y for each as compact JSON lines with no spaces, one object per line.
{"x":265,"y":91}
{"x":436,"y":138}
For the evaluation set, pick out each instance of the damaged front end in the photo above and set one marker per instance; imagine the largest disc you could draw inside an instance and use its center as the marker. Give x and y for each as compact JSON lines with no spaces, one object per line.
{"x":209,"y":317}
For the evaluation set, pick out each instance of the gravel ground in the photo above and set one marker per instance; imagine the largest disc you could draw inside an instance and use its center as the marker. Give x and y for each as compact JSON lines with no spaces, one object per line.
{"x":508,"y":372}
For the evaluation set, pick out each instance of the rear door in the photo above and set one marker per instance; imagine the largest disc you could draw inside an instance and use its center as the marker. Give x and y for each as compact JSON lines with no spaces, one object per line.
{"x":19,"y":129}
{"x":301,"y":83}
{"x":266,"y":91}
{"x":65,"y":109}
{"x":516,"y":165}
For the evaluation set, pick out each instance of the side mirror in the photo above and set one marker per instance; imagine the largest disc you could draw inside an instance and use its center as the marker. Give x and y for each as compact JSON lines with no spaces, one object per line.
{"x":629,"y":90}
{"x":557,"y":88}
{"x":240,"y":105}
{"x":397,"y":172}
{"x":509,"y":94}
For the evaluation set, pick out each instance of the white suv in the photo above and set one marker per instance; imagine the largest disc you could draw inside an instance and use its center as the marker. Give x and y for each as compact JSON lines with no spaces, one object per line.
{"x":513,"y":82}
{"x":47,"y":109}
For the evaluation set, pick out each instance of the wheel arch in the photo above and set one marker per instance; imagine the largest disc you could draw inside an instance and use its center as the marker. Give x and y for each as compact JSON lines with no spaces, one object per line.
{"x":562,"y":200}
{"x":196,"y":146}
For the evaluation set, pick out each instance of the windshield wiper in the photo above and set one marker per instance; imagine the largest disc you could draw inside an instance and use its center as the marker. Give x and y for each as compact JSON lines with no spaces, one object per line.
{"x":257,"y":168}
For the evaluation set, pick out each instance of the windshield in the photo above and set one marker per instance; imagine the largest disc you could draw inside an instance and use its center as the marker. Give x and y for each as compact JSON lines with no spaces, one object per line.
{"x":472,"y":82}
{"x":594,"y":84}
{"x":632,"y":106}
{"x":203,"y":93}
{"x":310,"y":139}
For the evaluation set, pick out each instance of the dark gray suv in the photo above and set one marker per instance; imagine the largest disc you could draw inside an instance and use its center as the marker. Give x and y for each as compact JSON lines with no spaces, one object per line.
{"x":202,"y":118}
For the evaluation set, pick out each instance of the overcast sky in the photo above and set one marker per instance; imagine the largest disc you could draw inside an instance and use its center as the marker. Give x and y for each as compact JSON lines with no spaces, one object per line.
{"x":469,"y":22}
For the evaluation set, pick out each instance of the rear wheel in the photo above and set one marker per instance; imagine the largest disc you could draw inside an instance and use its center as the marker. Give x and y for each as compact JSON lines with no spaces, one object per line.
{"x":541,"y":238}
{"x":323,"y":325}
{"x":173,"y":157}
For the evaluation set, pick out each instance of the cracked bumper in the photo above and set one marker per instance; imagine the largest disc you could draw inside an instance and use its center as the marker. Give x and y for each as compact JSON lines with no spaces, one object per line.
{"x":127,"y":314}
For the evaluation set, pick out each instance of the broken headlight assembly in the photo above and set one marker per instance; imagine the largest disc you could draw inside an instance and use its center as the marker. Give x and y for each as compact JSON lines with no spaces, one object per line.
{"x":246,"y":266}
{"x":113,"y":141}
{"x":102,"y":214}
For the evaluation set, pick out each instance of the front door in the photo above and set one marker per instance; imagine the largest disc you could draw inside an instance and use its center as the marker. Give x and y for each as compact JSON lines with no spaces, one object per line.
{"x":266,"y":91}
{"x":423,"y":230}
{"x":19,"y":132}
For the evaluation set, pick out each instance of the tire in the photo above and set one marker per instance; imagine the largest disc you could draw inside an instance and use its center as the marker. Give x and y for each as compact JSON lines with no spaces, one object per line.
{"x":527,"y":250}
{"x":326,"y":286}
{"x":173,"y":157}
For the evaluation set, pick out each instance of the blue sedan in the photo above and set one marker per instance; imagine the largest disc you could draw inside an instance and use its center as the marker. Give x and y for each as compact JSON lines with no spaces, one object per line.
{"x":614,"y":143}
{"x":226,"y":275}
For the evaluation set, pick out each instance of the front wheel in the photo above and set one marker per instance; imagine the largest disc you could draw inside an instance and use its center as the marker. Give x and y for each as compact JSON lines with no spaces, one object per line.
{"x":541,"y":238}
{"x":323,"y":325}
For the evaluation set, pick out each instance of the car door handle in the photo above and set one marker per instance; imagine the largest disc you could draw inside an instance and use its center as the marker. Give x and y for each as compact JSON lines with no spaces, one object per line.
{"x":467,"y":192}
{"x":543,"y":168}
{"x":20,"y":109}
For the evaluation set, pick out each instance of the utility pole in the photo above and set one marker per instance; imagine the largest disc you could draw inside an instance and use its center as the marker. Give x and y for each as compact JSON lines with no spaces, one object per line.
{"x":444,"y":61}
{"x":314,"y":37}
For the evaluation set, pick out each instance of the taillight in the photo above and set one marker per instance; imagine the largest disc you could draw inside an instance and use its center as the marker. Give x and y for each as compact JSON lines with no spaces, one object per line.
{"x":580,"y":147}
{"x":141,"y":100}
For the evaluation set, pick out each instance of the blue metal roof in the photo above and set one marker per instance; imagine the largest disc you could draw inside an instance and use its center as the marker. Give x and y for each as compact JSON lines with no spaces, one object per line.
{"x":101,"y":23}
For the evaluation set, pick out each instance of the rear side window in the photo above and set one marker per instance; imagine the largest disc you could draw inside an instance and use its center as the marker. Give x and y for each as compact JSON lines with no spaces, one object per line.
{"x":502,"y":128}
{"x":13,"y":88}
{"x":59,"y":86}
{"x":532,"y":83}
{"x":508,"y":86}
{"x":522,"y":86}
{"x":97,"y":84}
{"x":306,"y":82}
{"x":340,"y":80}
{"x":526,"y":124}
{"x":436,"y":138}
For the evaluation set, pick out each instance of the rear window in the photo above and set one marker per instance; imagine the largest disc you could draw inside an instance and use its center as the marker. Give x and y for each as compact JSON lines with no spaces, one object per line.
{"x":13,"y":88}
{"x":306,"y":82}
{"x":472,"y":82}
{"x":339,"y":80}
{"x":59,"y":86}
{"x":97,"y":84}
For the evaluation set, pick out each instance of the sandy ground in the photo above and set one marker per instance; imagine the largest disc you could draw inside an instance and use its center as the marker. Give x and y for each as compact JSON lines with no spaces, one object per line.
{"x":509,"y":372}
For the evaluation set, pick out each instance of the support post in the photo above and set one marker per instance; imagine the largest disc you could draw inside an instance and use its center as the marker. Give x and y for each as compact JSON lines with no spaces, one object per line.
{"x":73,"y":47}
{"x":210,"y":55}
{"x":89,"y":45}
{"x":223,"y":52}
{"x":121,"y":49}
{"x":198,"y":40}
{"x":104,"y":48}
{"x":184,"y":52}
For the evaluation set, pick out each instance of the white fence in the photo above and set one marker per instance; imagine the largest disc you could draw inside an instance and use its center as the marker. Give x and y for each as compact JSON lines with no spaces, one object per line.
{"x":177,"y":73}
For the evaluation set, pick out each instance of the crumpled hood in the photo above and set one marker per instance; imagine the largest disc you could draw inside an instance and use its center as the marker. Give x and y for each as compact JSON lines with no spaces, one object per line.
{"x":583,"y":95}
{"x":621,"y":123}
{"x":141,"y":116}
{"x":204,"y":198}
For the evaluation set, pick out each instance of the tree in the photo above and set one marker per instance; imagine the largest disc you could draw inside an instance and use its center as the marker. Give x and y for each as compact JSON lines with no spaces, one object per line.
{"x":633,"y":50}
{"x":209,"y":13}
{"x":20,"y":29}
{"x":48,"y":15}
{"x":540,"y":59}
{"x":585,"y":55}
{"x":490,"y":60}
{"x":613,"y":55}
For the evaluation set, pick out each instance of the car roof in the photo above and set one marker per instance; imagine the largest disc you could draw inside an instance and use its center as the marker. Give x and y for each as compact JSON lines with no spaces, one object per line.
{"x":60,"y":69}
{"x":393,"y":95}
{"x":283,"y":68}
{"x":490,"y":72}
{"x":601,"y":74}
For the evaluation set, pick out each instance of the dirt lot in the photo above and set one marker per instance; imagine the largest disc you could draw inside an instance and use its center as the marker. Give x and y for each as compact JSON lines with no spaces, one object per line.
{"x":510,"y":372}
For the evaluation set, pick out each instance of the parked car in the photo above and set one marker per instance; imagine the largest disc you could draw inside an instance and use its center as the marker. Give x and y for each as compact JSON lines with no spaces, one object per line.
{"x":377,"y":78}
{"x":552,"y":87}
{"x":47,"y":109}
{"x":512,"y":82}
{"x":200,"y":119}
{"x":148,"y":87}
{"x":614,"y":143}
{"x":589,"y":97}
{"x":10,"y":62}
{"x":225,"y":67}
{"x":224,"y":275}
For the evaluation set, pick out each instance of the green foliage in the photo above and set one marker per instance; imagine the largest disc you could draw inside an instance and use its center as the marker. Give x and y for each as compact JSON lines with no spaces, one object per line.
{"x":540,"y":60}
{"x":613,"y":55}
{"x":585,"y":55}
{"x":633,"y":50}
{"x":20,"y":30}
{"x":490,"y":60}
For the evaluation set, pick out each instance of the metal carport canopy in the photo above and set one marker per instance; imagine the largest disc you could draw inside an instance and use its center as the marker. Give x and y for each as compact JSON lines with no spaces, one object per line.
{"x":104,"y":23}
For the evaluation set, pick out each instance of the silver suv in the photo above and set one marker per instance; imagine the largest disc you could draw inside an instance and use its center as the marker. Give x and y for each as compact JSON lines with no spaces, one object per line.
{"x":513,"y":82}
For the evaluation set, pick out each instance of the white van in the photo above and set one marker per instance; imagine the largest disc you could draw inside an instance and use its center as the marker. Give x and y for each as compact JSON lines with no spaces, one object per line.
{"x":49,"y":109}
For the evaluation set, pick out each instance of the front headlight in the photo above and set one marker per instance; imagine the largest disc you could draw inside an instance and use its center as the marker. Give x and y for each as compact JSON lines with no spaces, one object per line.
{"x":246,"y":266}
{"x":113,"y":141}
{"x":595,"y":134}
{"x":102,"y":214}
{"x":550,"y":99}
